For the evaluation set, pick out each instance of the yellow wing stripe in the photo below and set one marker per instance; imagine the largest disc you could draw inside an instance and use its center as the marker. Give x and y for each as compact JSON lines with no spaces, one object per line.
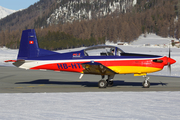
{"x":133,"y":69}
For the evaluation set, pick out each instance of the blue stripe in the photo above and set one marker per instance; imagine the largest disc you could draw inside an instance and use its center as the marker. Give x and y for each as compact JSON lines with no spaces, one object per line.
{"x":69,"y":56}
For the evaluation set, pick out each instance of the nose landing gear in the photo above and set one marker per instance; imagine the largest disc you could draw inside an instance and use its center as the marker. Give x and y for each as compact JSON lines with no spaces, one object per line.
{"x":146,"y":83}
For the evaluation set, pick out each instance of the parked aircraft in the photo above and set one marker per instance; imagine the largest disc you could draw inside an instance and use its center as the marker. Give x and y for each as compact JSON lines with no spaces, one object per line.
{"x":101,"y":60}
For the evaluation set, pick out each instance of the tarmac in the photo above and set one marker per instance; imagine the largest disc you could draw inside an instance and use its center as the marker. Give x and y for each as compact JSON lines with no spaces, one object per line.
{"x":16,"y":80}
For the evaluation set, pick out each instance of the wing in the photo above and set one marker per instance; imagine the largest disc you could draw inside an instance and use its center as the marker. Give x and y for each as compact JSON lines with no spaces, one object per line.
{"x":96,"y":68}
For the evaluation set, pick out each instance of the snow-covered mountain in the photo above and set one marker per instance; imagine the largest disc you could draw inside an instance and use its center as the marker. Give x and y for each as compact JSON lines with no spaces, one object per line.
{"x":70,"y":11}
{"x":4,"y":12}
{"x":63,"y":11}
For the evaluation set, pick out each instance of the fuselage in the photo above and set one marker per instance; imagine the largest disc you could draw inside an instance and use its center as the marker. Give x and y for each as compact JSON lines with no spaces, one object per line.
{"x":126,"y":63}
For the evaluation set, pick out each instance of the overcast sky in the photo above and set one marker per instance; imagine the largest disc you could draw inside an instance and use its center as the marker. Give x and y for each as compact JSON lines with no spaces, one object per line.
{"x":17,"y":4}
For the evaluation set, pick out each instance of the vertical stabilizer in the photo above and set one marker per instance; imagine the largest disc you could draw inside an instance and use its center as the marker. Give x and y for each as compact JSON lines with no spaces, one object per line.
{"x":29,"y":46}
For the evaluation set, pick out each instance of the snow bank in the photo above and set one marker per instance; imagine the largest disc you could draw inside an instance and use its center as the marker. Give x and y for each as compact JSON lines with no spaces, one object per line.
{"x":7,"y":54}
{"x":151,"y":39}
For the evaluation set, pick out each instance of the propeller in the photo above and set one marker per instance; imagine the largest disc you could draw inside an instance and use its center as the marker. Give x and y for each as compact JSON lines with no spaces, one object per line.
{"x":169,"y":52}
{"x":169,"y":67}
{"x":169,"y":64}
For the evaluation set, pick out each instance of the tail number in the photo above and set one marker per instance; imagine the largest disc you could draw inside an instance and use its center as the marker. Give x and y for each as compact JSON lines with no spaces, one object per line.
{"x":70,"y":65}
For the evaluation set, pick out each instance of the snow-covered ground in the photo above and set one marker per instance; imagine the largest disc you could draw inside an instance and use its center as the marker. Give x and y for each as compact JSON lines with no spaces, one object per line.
{"x":7,"y":54}
{"x":151,"y":39}
{"x":96,"y":105}
{"x":91,"y":106}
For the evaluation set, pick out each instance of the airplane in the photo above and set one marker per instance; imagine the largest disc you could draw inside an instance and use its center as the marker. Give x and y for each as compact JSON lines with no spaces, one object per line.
{"x":104,"y":60}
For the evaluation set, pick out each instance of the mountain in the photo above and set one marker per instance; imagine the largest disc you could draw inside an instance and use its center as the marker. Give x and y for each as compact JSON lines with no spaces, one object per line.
{"x":48,"y":12}
{"x":72,"y":10}
{"x":5,"y":12}
{"x":26,"y":18}
{"x":63,"y":24}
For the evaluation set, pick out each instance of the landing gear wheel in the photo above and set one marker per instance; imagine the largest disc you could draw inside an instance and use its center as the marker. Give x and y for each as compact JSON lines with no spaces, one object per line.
{"x":146,"y":84}
{"x":102,"y":84}
{"x":109,"y":83}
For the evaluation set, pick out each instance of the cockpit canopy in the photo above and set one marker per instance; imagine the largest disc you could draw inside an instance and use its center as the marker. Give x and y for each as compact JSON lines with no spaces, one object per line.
{"x":103,"y":51}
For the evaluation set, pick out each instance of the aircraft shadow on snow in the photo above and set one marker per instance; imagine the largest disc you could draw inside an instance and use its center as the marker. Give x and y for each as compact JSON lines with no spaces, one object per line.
{"x":87,"y":83}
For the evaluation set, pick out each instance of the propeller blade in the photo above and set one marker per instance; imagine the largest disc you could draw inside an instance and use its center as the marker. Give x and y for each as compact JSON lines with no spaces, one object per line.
{"x":169,"y":52}
{"x":169,"y":67}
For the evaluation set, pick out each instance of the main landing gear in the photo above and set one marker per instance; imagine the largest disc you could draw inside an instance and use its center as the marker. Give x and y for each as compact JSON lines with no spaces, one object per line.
{"x":146,"y":83}
{"x":106,"y":83}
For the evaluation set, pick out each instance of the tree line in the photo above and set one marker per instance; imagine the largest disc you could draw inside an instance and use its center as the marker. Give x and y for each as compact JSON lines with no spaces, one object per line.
{"x":61,"y":40}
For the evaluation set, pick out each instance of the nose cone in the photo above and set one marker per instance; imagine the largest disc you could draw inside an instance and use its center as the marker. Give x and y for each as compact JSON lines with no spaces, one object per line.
{"x":171,"y":61}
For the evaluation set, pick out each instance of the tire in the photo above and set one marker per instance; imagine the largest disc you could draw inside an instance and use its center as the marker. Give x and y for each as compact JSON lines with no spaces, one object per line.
{"x":109,"y":83}
{"x":102,"y":84}
{"x":146,"y":85}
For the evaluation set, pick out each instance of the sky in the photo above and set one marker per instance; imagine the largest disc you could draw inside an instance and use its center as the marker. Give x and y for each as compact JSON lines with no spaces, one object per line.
{"x":17,"y":4}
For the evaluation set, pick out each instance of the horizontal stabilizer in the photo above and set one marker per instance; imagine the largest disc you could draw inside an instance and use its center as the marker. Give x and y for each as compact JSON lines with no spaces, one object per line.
{"x":10,"y":61}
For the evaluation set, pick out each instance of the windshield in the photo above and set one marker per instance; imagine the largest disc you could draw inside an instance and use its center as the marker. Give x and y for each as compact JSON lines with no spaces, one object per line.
{"x":103,"y":51}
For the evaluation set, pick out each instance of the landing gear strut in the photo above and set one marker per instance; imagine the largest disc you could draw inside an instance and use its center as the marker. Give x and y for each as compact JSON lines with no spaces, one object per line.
{"x":106,"y":83}
{"x":109,"y":83}
{"x":146,"y":83}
